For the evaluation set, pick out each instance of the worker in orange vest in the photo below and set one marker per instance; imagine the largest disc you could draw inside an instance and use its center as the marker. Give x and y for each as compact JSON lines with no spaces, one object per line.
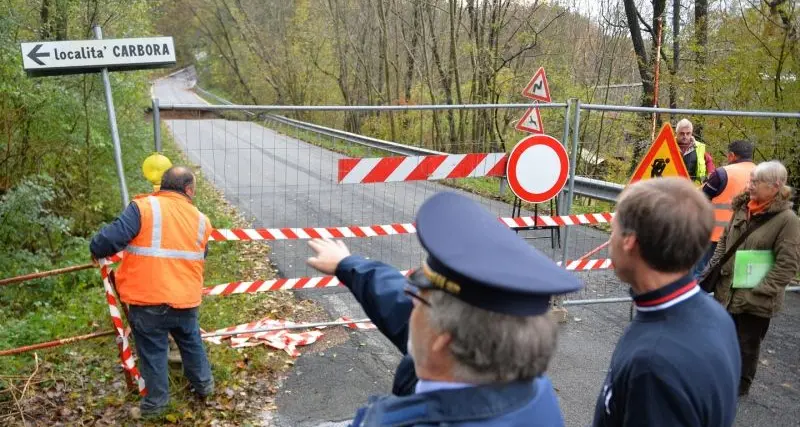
{"x":722,"y":186}
{"x":164,"y":238}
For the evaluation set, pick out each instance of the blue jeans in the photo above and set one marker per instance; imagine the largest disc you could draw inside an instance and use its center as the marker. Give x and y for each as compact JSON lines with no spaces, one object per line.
{"x":704,"y":260}
{"x":150,"y":326}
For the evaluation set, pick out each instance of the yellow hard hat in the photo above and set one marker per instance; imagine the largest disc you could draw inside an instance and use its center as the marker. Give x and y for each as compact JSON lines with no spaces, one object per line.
{"x":154,"y":167}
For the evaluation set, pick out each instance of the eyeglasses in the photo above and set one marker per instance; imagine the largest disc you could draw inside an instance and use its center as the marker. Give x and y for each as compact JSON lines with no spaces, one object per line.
{"x":413,"y":292}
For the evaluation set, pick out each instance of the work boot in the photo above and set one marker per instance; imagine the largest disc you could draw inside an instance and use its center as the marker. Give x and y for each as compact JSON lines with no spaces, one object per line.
{"x":136,"y":414}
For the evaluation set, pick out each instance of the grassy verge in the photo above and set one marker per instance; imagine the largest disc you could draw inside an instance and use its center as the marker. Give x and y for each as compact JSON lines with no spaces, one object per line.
{"x":82,"y":383}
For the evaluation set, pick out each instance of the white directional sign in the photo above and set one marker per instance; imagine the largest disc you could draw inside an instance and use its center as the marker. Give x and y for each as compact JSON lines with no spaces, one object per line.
{"x":81,"y":56}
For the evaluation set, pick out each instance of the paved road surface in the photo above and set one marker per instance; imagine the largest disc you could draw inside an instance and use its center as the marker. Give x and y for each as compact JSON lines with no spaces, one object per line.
{"x":283,"y":182}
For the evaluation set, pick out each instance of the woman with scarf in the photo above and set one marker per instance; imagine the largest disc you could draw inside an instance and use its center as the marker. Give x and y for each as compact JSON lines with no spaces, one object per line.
{"x":765,"y":206}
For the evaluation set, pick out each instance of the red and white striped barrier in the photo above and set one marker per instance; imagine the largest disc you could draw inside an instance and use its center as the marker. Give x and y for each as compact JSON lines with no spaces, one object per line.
{"x":394,"y":229}
{"x":122,"y":337}
{"x":558,"y":221}
{"x":253,"y":334}
{"x":304,"y":233}
{"x":331,"y":281}
{"x":421,"y":168}
{"x":589,"y":264}
{"x":311,"y":232}
{"x":356,"y":325}
{"x":276,"y":285}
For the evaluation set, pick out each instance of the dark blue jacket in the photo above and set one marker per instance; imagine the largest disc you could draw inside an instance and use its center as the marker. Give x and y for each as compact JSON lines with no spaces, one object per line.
{"x":378,"y":287}
{"x":115,"y":237}
{"x":677,"y":364}
{"x":386,"y":305}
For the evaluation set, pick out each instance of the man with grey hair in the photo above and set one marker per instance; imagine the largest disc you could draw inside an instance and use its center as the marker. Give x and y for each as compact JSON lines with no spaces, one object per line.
{"x":698,"y":161}
{"x":472,"y":322}
{"x":677,"y":364}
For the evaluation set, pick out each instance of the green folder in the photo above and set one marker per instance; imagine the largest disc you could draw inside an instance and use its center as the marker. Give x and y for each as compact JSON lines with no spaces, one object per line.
{"x":749,"y":267}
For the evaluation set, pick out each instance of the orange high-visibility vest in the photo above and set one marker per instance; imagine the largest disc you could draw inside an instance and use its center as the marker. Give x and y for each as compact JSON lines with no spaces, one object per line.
{"x":164,"y":263}
{"x":738,"y":177}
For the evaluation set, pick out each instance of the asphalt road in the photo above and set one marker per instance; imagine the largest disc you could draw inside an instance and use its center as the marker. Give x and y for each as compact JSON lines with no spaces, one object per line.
{"x":283,"y":182}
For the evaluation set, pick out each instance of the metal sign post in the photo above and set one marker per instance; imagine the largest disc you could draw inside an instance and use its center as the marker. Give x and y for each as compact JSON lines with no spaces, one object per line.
{"x":50,"y":58}
{"x":112,"y":121}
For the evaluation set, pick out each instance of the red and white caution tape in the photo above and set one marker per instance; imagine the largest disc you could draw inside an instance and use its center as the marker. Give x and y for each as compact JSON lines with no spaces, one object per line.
{"x":589,"y":264}
{"x":331,"y":281}
{"x":276,"y":285}
{"x":304,"y":233}
{"x":562,"y":220}
{"x":311,"y":232}
{"x":113,"y":259}
{"x":122,"y":337}
{"x":275,"y":333}
{"x":421,"y":168}
{"x":393,"y":229}
{"x":354,"y":324}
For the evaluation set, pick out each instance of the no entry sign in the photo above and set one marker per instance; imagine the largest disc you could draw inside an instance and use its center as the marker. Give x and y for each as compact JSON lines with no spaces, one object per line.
{"x":537,"y":168}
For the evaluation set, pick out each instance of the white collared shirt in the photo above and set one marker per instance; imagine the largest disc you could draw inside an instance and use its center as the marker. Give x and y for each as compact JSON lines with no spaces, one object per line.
{"x":425,"y":386}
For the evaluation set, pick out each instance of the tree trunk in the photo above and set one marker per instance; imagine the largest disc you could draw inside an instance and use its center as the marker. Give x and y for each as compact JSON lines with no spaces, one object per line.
{"x":443,"y":76}
{"x":454,"y":19}
{"x":701,"y":38}
{"x":45,"y":22}
{"x":676,"y":58}
{"x":646,"y":63}
{"x":384,"y":53}
{"x":410,"y":54}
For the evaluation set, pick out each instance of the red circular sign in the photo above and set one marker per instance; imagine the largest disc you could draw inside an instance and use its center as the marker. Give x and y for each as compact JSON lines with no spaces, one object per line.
{"x":537,"y":168}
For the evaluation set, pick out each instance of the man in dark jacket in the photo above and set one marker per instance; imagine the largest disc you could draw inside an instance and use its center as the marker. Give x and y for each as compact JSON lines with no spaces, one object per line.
{"x":723,"y":185}
{"x":677,"y":364}
{"x":472,"y":322}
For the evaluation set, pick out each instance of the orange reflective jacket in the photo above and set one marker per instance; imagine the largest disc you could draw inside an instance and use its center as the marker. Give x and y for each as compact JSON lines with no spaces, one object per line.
{"x":738,"y":177}
{"x":163,"y":264}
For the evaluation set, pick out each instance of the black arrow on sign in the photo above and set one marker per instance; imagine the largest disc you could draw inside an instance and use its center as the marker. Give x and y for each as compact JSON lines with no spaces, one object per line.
{"x":35,"y":55}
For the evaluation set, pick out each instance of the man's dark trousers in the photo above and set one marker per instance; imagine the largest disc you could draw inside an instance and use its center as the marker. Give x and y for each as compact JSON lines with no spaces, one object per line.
{"x":151,"y":326}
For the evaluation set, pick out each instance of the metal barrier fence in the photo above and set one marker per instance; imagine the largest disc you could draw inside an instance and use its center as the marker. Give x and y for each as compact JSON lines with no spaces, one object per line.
{"x":714,"y":129}
{"x":281,"y":172}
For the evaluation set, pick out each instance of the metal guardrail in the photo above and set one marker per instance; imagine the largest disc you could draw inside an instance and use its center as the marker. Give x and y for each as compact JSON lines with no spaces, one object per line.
{"x":597,"y":189}
{"x":584,"y":186}
{"x":392,"y":147}
{"x":588,"y":187}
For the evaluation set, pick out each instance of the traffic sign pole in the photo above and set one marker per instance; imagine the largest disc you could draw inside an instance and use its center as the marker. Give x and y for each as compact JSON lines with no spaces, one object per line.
{"x":112,"y":121}
{"x":571,"y":185}
{"x":156,"y":125}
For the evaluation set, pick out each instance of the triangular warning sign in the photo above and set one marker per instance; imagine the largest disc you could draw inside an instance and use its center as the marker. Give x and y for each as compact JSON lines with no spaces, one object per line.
{"x":531,"y":121}
{"x":538,"y":88}
{"x":663,"y":159}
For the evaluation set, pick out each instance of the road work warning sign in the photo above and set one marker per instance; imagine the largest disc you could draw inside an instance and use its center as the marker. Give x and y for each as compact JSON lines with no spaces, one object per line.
{"x":662,"y":159}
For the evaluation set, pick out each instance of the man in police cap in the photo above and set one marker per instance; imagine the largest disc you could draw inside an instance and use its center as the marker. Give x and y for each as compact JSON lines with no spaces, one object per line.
{"x":472,"y":322}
